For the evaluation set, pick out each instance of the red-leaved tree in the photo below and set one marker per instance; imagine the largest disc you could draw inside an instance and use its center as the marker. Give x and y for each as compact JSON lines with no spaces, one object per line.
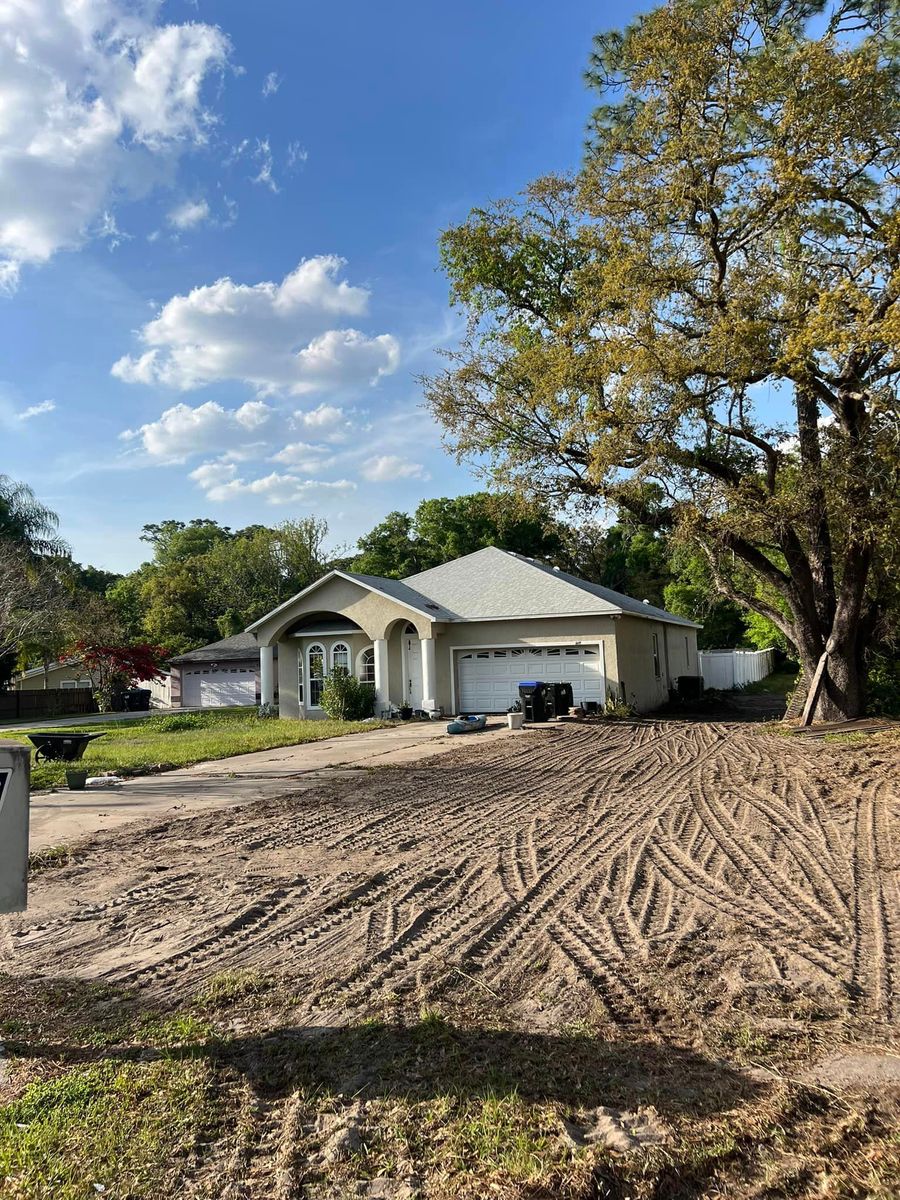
{"x":113,"y":669}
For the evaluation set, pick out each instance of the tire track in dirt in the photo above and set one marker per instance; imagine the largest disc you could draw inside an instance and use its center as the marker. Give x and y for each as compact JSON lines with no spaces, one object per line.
{"x":876,"y":951}
{"x":609,"y":852}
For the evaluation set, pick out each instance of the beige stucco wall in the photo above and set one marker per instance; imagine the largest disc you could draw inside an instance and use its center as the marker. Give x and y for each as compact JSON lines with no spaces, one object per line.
{"x":681,"y":652}
{"x":54,"y":679}
{"x":373,"y":613}
{"x":642,"y":687}
{"x":288,"y":704}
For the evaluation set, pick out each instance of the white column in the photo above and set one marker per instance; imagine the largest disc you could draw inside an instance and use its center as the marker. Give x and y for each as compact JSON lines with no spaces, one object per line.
{"x":382,"y":684}
{"x":429,"y":699}
{"x":267,"y":674}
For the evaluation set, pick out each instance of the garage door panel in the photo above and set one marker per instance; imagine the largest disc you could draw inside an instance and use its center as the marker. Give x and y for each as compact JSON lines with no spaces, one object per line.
{"x":225,"y":688}
{"x":489,"y":679}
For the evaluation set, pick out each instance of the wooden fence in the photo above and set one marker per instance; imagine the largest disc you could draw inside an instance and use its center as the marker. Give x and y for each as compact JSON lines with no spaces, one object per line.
{"x":46,"y":702}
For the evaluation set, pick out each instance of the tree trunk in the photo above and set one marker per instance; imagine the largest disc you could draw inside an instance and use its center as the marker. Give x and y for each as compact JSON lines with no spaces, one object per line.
{"x":843,"y":694}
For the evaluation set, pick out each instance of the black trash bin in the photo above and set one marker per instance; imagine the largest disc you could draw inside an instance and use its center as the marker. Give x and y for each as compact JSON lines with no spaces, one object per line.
{"x":690,"y":687}
{"x":137,"y":700}
{"x":536,"y":697}
{"x":563,"y":698}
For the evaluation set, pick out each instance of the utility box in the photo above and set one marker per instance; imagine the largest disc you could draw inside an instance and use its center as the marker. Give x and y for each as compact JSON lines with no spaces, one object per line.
{"x":15,"y":774}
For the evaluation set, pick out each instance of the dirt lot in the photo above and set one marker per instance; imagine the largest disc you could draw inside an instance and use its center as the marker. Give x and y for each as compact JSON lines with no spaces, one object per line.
{"x":724,"y":901}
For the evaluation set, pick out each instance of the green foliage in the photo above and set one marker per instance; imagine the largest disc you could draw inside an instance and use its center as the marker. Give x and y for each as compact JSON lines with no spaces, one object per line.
{"x":346,"y":698}
{"x":205,"y":582}
{"x":179,"y":722}
{"x":390,"y":549}
{"x":27,"y":522}
{"x":175,"y":541}
{"x":884,"y":683}
{"x":446,"y":528}
{"x":761,"y":634}
{"x":616,"y":709}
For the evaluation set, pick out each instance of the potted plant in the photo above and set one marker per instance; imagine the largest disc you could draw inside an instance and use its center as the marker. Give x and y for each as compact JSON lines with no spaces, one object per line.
{"x":406,"y":712}
{"x":76,"y":777}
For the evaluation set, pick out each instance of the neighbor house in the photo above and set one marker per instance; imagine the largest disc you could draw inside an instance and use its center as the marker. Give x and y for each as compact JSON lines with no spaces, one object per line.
{"x":219,"y":675}
{"x":461,"y":636}
{"x":55,"y":675}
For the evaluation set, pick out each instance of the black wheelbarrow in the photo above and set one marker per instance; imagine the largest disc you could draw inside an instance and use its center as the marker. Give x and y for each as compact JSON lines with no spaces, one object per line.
{"x":61,"y":747}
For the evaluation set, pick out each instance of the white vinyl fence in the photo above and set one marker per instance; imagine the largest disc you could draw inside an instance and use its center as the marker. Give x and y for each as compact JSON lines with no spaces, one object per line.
{"x":728,"y":669}
{"x":160,"y":691}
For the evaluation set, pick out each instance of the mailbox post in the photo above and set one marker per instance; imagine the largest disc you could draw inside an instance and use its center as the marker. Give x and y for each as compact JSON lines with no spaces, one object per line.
{"x":15,"y":770}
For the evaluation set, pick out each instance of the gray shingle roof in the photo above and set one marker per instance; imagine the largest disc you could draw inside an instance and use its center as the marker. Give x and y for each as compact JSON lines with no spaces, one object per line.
{"x":241,"y":645}
{"x":492,"y":583}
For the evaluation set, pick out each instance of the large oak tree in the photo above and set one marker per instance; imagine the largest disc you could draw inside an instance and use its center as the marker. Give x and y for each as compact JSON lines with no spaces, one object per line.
{"x":709,"y":312}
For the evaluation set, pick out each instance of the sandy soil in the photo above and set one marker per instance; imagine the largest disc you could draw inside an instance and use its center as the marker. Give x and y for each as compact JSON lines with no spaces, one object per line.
{"x":664,"y":870}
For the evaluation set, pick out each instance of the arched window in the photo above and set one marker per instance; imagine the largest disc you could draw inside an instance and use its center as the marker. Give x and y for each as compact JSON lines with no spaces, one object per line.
{"x":340,"y":658}
{"x":315,"y":661}
{"x":366,"y":665}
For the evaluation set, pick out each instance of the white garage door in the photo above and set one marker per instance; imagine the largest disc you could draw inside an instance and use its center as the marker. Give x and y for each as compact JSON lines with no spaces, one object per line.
{"x":489,"y":679}
{"x":220,"y":687}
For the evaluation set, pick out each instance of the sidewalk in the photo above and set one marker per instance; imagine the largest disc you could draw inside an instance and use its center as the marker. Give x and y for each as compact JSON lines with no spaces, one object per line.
{"x":63,"y":817}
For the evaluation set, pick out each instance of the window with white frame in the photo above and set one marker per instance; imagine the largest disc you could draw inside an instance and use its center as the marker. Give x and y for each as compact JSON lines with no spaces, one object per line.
{"x":315,"y":673}
{"x":657,"y":667}
{"x":367,"y":665}
{"x":340,"y":658}
{"x":299,"y":678}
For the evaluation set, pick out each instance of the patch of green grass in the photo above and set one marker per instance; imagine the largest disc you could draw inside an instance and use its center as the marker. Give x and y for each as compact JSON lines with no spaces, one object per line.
{"x":122,"y":1128}
{"x":51,"y":856}
{"x":228,"y":987}
{"x":777,"y":684}
{"x":143,"y":746}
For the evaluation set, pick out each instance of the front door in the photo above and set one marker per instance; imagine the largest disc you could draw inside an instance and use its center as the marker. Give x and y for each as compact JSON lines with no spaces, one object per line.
{"x":413,"y":666}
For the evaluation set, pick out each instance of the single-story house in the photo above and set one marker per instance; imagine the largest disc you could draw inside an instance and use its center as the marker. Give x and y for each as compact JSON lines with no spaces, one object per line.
{"x":56,"y":675}
{"x":461,"y":636}
{"x":219,"y":675}
{"x":72,"y":674}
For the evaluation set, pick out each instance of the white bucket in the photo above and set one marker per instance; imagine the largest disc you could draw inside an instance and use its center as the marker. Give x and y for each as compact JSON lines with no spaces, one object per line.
{"x":515,"y":720}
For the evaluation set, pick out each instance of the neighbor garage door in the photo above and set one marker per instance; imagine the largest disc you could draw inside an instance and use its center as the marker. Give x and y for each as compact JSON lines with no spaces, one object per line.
{"x":489,"y":679}
{"x":223,"y":687}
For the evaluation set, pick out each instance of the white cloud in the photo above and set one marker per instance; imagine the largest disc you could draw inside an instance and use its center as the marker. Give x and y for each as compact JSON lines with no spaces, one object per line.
{"x":303,"y":456}
{"x":182,"y":431}
{"x":387,"y":467}
{"x":271,"y":84}
{"x":263,"y":156}
{"x":36,"y":410}
{"x":220,"y":485}
{"x":96,"y":102}
{"x":277,"y":337}
{"x":323,"y":417}
{"x":189,"y":214}
{"x":296,"y":155}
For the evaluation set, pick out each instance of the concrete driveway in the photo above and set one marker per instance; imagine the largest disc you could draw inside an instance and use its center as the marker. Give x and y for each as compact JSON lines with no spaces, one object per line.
{"x":63,"y":817}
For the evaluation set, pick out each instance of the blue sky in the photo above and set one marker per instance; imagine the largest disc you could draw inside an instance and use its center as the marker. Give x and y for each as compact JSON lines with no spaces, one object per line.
{"x":218,"y":244}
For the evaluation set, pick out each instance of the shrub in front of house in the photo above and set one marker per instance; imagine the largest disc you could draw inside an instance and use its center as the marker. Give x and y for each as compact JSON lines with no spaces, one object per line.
{"x":345,"y":698}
